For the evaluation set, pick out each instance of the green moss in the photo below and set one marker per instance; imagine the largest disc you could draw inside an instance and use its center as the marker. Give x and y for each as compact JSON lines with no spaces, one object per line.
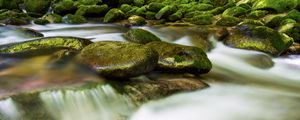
{"x":139,"y":3}
{"x":258,"y":13}
{"x":137,"y":20}
{"x":141,"y":11}
{"x":92,"y":10}
{"x":165,"y":11}
{"x":204,"y":19}
{"x":10,"y":4}
{"x":73,"y":19}
{"x":41,"y":21}
{"x":200,"y":7}
{"x":234,"y":11}
{"x":228,"y":21}
{"x":52,"y":18}
{"x":125,"y":2}
{"x":140,"y":36}
{"x":176,"y":16}
{"x":64,"y":7}
{"x":113,"y":15}
{"x":276,"y":5}
{"x":155,"y":7}
{"x":150,"y":15}
{"x":178,"y":58}
{"x":49,"y":42}
{"x":40,"y":6}
{"x":125,"y":8}
{"x":88,"y":2}
{"x":294,"y":14}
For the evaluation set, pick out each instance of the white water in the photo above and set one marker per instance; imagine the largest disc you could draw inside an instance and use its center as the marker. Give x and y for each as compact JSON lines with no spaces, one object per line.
{"x":245,"y":85}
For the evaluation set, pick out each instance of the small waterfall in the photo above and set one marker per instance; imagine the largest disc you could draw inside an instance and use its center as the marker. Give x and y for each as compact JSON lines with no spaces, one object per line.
{"x":9,"y":110}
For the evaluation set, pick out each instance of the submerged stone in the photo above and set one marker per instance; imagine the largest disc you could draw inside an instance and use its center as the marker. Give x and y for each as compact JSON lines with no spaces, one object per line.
{"x":73,"y":19}
{"x":113,"y":15}
{"x":140,"y":36}
{"x":37,"y":6}
{"x":47,"y":42}
{"x":179,"y":58}
{"x":259,"y":38}
{"x":118,"y":59}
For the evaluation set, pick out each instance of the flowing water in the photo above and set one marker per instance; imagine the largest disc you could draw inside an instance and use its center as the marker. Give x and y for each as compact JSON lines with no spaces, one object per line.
{"x":244,"y":85}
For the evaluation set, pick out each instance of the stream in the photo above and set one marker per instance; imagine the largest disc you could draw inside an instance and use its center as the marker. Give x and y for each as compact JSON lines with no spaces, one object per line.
{"x":244,"y":85}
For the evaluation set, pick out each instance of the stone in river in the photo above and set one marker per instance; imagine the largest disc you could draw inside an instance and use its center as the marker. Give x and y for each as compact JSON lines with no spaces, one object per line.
{"x":179,"y":58}
{"x":118,"y":59}
{"x":140,"y":36}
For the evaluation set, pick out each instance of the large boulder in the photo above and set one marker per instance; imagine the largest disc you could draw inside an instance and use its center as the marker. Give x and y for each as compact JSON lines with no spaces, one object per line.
{"x":140,"y":36}
{"x":276,"y":5}
{"x":37,"y":6}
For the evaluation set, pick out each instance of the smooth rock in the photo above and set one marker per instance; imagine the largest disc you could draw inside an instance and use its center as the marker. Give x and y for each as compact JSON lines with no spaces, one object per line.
{"x":140,"y":36}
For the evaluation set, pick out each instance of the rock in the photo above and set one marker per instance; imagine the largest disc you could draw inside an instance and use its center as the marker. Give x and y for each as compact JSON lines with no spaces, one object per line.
{"x":10,"y":4}
{"x":73,"y":19}
{"x":277,"y":5}
{"x":291,"y":28}
{"x":113,"y":15}
{"x":179,"y":58}
{"x":14,"y":21}
{"x":41,"y":21}
{"x":141,"y":91}
{"x":228,"y":21}
{"x":19,"y":32}
{"x":52,"y":18}
{"x":259,"y":38}
{"x":258,"y":14}
{"x":138,"y":3}
{"x":176,"y":16}
{"x":121,"y":2}
{"x":64,"y":7}
{"x":141,"y":11}
{"x":14,"y":17}
{"x":118,"y":59}
{"x":125,"y":8}
{"x":155,"y":6}
{"x":293,"y":50}
{"x":47,"y":42}
{"x":40,"y":6}
{"x":140,"y":36}
{"x":200,"y":7}
{"x":165,"y":11}
{"x":92,"y":10}
{"x":203,"y":19}
{"x":137,"y":20}
{"x":234,"y":11}
{"x":272,"y":20}
{"x":150,"y":15}
{"x":88,"y":2}
{"x":294,"y":14}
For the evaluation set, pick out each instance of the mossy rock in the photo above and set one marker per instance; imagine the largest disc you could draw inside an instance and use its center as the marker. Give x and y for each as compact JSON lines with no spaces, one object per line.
{"x":88,"y":2}
{"x":275,"y":5}
{"x":259,"y":38}
{"x":175,"y":16}
{"x":140,"y":36}
{"x":155,"y":7}
{"x":114,"y":15}
{"x":234,"y":11}
{"x":73,"y":19}
{"x":136,"y":20}
{"x":47,"y":42}
{"x":64,"y":7}
{"x":179,"y":58}
{"x":10,"y":4}
{"x":14,"y":21}
{"x":121,"y":2}
{"x":258,"y":14}
{"x":165,"y":12}
{"x":200,"y":7}
{"x":138,"y":3}
{"x":228,"y":21}
{"x":92,"y":10}
{"x":40,"y":6}
{"x":118,"y":59}
{"x":291,"y":28}
{"x":52,"y":18}
{"x":294,"y":14}
{"x":125,"y":7}
{"x":204,"y":19}
{"x":29,"y":33}
{"x":41,"y":21}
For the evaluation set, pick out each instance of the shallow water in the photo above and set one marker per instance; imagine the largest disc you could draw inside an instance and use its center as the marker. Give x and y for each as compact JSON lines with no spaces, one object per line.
{"x":244,"y":85}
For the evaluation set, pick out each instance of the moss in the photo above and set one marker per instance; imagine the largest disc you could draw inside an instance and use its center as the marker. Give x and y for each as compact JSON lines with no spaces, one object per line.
{"x":275,"y":21}
{"x":88,"y":2}
{"x":204,"y":19}
{"x":29,"y":33}
{"x":276,"y":5}
{"x":52,"y":18}
{"x":40,"y":6}
{"x":165,"y":11}
{"x":113,"y":15}
{"x":200,"y":7}
{"x":125,"y":2}
{"x":116,"y":59}
{"x":48,"y":42}
{"x":234,"y":11}
{"x":141,"y":11}
{"x":41,"y":21}
{"x":92,"y":10}
{"x":176,"y":16}
{"x":14,"y":21}
{"x":258,"y":14}
{"x":179,"y":58}
{"x":228,"y":21}
{"x":139,"y":3}
{"x":137,"y":20}
{"x":155,"y":7}
{"x":253,"y":22}
{"x":294,"y":14}
{"x":125,"y":7}
{"x":140,"y":36}
{"x":64,"y":7}
{"x":150,"y":15}
{"x":73,"y":19}
{"x":10,"y":4}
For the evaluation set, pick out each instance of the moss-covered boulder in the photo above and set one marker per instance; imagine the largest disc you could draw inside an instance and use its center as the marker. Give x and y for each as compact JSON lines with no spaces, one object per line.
{"x":175,"y":16}
{"x":179,"y":58}
{"x":113,"y":15}
{"x":88,"y":2}
{"x":64,"y":7}
{"x":294,"y":14}
{"x":37,"y":6}
{"x":165,"y":11}
{"x":276,"y":5}
{"x":10,"y":4}
{"x":73,"y":19}
{"x":118,"y":59}
{"x":52,"y":18}
{"x":200,"y":7}
{"x":136,"y":20}
{"x":13,"y":17}
{"x":257,"y":14}
{"x":125,"y":8}
{"x":139,"y":3}
{"x":203,"y":19}
{"x":259,"y":38}
{"x":47,"y":42}
{"x":140,"y":36}
{"x":40,"y":21}
{"x":155,"y":6}
{"x":228,"y":21}
{"x":92,"y":10}
{"x":29,"y":33}
{"x":234,"y":11}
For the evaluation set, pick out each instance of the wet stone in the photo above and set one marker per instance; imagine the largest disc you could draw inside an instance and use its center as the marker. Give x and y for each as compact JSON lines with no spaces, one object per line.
{"x":179,"y":58}
{"x":73,"y":19}
{"x":140,"y":36}
{"x":113,"y":15}
{"x":136,"y":20}
{"x":118,"y":59}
